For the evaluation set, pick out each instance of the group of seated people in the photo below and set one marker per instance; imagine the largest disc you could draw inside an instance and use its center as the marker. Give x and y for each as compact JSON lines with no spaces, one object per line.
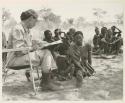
{"x":109,"y":41}
{"x":69,"y":52}
{"x":71,"y":58}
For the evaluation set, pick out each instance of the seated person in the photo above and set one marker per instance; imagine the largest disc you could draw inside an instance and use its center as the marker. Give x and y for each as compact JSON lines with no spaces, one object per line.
{"x":62,"y":60}
{"x":61,"y":50}
{"x":96,"y":39}
{"x":80,"y":56}
{"x":102,"y":41}
{"x":48,"y":36}
{"x":114,"y":32}
{"x":57,"y":34}
{"x":70,"y":34}
{"x":116,"y":36}
{"x":20,"y":37}
{"x":108,"y":38}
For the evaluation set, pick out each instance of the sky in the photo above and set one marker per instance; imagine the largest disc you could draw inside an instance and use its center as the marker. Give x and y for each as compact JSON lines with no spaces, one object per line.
{"x":66,"y":8}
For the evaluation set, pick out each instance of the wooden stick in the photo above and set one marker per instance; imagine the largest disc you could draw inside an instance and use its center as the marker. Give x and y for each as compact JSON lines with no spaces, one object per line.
{"x":15,"y":49}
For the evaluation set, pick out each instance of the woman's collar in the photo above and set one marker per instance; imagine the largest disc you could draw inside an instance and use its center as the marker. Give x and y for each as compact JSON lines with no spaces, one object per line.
{"x":25,"y":28}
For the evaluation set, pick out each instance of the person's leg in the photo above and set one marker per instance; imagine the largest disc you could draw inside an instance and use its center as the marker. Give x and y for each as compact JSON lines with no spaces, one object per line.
{"x":79,"y":78}
{"x":70,"y":70}
{"x":106,"y":48}
{"x":23,"y":61}
{"x":47,"y":61}
{"x":62,"y":67}
{"x":48,"y":64}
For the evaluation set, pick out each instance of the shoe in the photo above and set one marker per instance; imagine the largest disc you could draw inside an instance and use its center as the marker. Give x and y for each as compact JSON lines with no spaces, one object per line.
{"x":27,"y":74}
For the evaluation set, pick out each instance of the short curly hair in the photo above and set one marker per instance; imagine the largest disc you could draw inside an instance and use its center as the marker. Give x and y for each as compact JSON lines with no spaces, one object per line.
{"x":27,"y":14}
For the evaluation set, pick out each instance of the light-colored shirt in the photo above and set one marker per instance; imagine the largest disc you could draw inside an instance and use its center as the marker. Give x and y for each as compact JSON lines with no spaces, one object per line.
{"x":19,"y":37}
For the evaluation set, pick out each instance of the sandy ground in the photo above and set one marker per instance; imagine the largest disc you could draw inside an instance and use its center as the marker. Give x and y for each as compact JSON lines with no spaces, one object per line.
{"x":106,"y":84}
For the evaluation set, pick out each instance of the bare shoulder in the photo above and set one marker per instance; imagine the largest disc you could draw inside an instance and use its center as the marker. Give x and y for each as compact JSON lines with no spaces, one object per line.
{"x":88,"y":46}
